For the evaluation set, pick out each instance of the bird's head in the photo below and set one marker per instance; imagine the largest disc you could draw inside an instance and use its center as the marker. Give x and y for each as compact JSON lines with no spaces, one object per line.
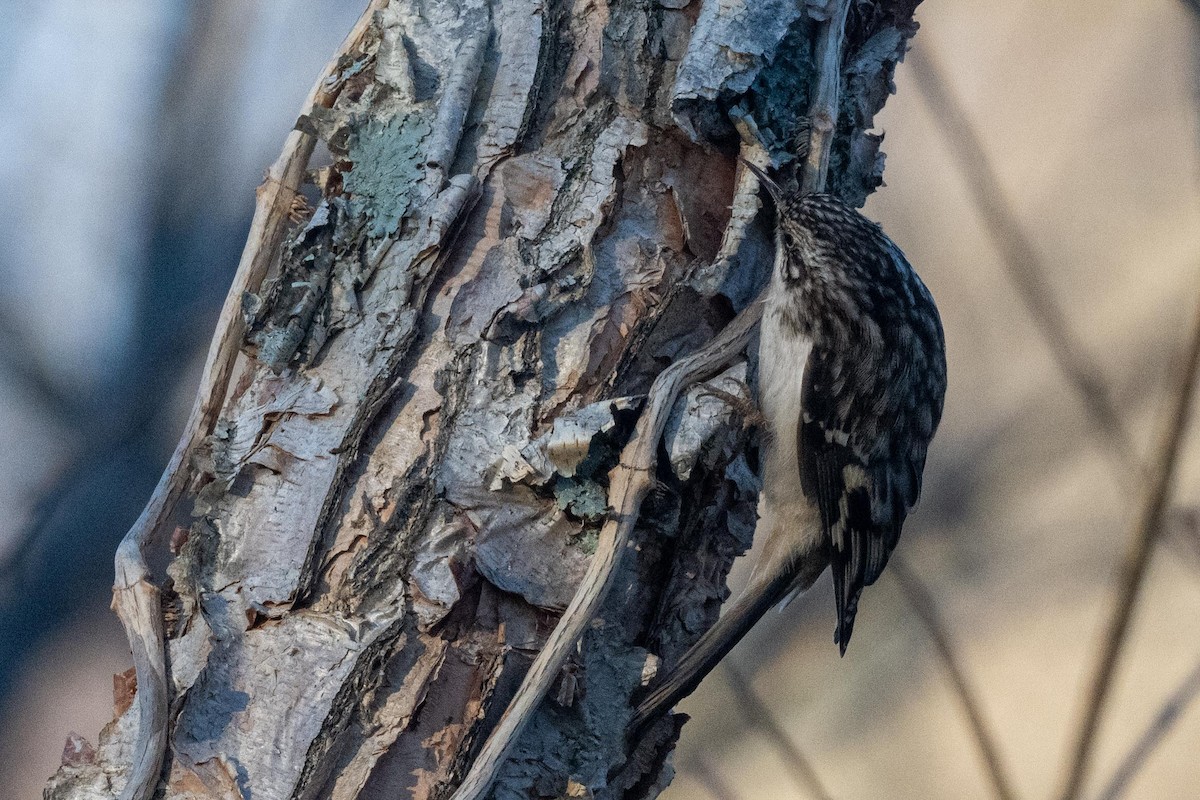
{"x":789,"y":232}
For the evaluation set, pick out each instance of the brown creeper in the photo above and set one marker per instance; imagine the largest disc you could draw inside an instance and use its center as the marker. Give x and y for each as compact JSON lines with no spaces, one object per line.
{"x":852,"y":372}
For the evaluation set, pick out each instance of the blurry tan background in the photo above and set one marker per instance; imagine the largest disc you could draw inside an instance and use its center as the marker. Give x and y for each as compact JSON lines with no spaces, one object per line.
{"x":136,"y":132}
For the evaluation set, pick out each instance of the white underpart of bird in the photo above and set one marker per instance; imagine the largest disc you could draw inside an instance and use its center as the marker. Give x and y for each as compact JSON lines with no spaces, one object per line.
{"x":789,"y":523}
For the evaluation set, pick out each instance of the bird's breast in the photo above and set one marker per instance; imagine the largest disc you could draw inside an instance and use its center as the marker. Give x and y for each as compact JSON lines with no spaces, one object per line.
{"x":789,"y":523}
{"x":782,"y":356}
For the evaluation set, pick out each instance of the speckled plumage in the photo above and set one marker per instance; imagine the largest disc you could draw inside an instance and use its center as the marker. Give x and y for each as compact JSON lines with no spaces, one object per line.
{"x":873,"y":384}
{"x":852,"y":374}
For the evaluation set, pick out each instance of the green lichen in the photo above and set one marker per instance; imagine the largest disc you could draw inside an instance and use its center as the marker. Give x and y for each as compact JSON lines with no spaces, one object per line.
{"x":587,"y":541}
{"x":385,"y":178}
{"x":583,"y":498}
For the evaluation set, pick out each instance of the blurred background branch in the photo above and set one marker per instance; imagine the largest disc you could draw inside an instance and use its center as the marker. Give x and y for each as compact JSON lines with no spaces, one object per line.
{"x":21,"y":364}
{"x":709,"y":776}
{"x":921,"y":600}
{"x":1024,"y":266}
{"x":1133,"y":567}
{"x":1153,"y":736}
{"x":761,"y":719}
{"x":126,"y":427}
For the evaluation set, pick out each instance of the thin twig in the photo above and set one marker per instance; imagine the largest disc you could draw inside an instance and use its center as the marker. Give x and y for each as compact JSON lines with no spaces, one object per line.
{"x":1155,"y":732}
{"x":823,"y":108}
{"x":1022,"y":263}
{"x":921,"y":600}
{"x":761,"y":718}
{"x":1133,"y":567}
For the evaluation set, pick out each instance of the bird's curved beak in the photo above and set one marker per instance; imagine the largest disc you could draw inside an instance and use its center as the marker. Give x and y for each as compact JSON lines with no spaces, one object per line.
{"x":764,"y":180}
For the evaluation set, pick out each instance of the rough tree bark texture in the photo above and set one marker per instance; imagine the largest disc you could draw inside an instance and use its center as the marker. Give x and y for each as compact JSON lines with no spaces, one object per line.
{"x":524,"y":213}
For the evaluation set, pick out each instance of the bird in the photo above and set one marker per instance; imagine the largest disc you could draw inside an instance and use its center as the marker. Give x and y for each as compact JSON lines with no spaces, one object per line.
{"x":851,"y":384}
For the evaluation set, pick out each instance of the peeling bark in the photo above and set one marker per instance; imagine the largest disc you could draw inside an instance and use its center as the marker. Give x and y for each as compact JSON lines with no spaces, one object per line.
{"x":525,"y":216}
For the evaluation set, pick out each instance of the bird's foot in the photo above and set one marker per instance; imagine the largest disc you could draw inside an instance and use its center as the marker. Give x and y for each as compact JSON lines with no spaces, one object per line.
{"x":742,"y":405}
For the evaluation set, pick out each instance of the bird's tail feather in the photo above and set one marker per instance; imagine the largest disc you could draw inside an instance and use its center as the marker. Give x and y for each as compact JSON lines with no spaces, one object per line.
{"x":845,"y":595}
{"x":714,"y":645}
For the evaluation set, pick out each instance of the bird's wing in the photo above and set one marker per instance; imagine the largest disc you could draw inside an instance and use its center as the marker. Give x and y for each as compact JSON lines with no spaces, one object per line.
{"x":861,"y":454}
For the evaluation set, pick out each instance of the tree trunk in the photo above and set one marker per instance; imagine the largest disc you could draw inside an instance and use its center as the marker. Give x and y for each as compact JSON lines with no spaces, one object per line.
{"x":398,"y":464}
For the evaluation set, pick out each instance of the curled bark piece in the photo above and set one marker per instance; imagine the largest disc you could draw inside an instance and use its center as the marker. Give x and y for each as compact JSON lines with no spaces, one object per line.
{"x":135,"y":597}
